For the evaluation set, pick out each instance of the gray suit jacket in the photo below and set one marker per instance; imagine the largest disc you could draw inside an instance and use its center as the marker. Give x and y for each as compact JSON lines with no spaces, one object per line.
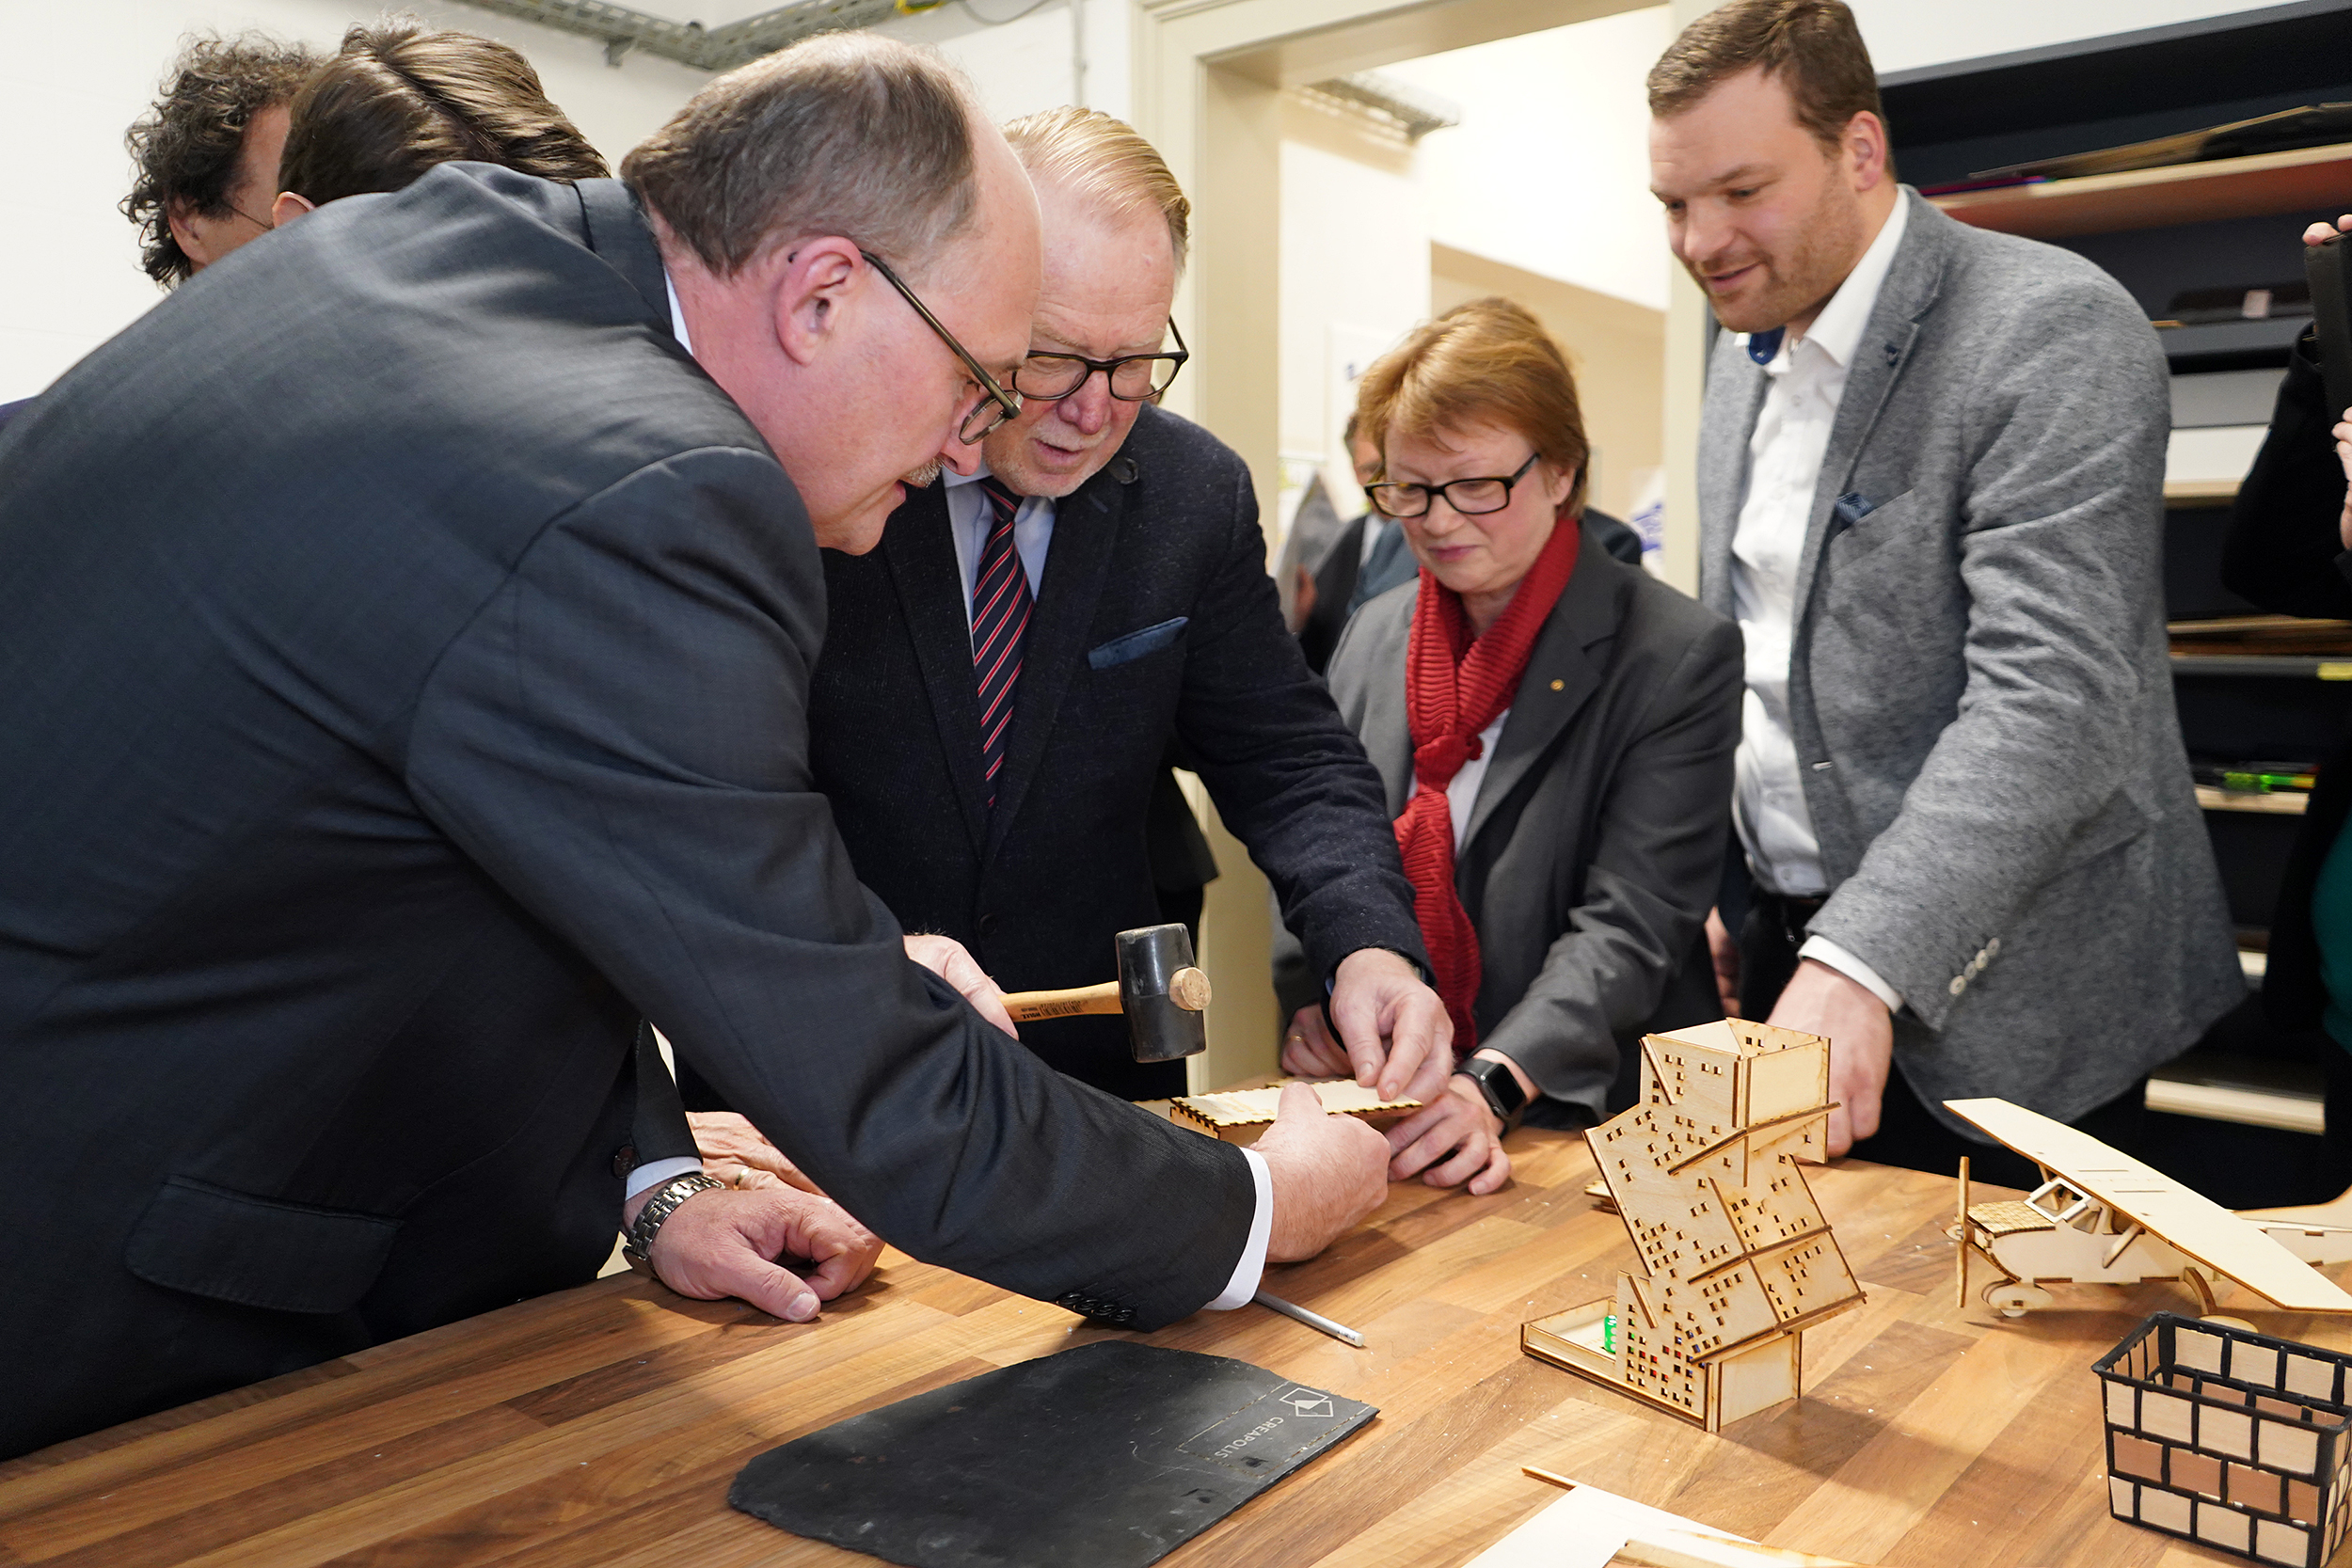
{"x":1598,"y":837}
{"x":1979,"y":683}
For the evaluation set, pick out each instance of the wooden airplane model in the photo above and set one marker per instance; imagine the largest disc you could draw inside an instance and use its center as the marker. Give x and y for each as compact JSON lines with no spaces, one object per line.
{"x":2101,"y":1217}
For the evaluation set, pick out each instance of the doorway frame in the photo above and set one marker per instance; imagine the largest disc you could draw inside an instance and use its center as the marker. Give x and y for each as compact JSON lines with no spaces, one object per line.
{"x":1208,"y":77}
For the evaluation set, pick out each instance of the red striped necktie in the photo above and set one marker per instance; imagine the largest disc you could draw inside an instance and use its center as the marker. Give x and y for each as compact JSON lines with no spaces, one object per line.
{"x":1000,"y":624}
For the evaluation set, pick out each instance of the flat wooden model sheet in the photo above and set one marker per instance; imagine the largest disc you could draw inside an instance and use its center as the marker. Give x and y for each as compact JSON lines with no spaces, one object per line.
{"x":1242,"y":1107}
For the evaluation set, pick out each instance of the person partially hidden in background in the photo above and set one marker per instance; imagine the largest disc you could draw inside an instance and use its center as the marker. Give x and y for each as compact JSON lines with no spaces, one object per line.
{"x":206,"y":155}
{"x":1001,"y":677}
{"x":1555,"y":731}
{"x":2289,"y":551}
{"x":397,"y":101}
{"x":1367,"y":559}
{"x":1929,"y":478}
{"x":207,"y":152}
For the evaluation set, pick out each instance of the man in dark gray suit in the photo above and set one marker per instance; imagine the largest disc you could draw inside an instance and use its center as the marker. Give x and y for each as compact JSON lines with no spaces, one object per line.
{"x":1929,"y":471}
{"x":1002,"y":675}
{"x":398,"y":723}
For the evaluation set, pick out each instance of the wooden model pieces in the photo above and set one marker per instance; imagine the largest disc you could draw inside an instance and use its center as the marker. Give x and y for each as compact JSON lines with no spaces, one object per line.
{"x":1736,"y":1258}
{"x":1589,"y":1527}
{"x":1239,"y":1115}
{"x":2230,"y":1438}
{"x":2102,"y":1217}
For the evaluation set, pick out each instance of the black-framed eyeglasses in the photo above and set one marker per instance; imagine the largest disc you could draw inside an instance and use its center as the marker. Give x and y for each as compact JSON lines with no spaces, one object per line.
{"x":1050,"y":377}
{"x":996,"y":405}
{"x":1470,"y":497}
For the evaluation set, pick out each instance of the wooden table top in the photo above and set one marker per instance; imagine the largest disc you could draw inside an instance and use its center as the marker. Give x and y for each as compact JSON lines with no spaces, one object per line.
{"x":602,"y":1425}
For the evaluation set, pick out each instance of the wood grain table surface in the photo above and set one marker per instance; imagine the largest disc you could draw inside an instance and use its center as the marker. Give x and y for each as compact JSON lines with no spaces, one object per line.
{"x":602,"y":1425}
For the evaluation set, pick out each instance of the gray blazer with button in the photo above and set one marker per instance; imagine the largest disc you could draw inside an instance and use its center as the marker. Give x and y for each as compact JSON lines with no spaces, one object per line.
{"x":1978,"y":681}
{"x":1595,"y":842}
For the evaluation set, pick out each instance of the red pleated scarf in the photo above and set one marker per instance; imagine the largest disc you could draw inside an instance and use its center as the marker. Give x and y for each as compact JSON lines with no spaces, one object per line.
{"x":1455,"y":685}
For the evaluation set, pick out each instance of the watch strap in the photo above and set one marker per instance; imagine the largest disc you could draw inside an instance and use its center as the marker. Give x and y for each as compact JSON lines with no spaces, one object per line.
{"x":637,"y":1240}
{"x":1498,"y":1088}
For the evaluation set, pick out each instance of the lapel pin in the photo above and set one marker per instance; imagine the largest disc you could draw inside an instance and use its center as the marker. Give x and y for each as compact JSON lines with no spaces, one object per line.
{"x":1893,"y":353}
{"x":1559,"y":685}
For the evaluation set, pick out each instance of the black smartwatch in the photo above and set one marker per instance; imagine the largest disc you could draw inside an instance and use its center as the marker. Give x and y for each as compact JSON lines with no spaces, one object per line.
{"x":1499,"y":1086}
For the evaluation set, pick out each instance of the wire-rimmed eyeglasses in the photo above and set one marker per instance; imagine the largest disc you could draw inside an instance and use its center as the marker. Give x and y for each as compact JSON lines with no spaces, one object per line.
{"x":1469,"y":498}
{"x":995,"y":406}
{"x":1051,"y":376}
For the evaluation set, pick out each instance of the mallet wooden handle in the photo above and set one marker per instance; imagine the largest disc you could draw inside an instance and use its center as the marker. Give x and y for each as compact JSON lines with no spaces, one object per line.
{"x":1028,"y":1006}
{"x":1187,"y":987}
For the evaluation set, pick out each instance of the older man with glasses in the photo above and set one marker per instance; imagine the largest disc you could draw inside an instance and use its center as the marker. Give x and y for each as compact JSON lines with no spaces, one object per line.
{"x":1003,"y":676}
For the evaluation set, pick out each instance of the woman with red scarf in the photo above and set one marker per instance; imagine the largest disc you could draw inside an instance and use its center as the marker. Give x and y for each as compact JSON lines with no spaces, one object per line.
{"x":1556,"y":731}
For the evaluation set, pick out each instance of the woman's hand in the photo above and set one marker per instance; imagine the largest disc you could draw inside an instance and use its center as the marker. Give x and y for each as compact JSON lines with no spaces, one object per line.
{"x":1308,"y":1050}
{"x":2320,"y":233}
{"x":735,"y":1152}
{"x":2342,"y":433}
{"x":1452,"y":1141}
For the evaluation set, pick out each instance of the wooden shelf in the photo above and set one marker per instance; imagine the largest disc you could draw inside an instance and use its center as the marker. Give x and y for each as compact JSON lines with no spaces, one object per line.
{"x":2292,"y":666}
{"x":2199,"y":492}
{"x":2306,"y":179}
{"x":2278,"y":804}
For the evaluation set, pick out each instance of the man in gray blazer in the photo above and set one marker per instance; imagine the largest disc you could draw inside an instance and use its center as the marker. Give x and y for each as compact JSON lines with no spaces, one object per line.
{"x":1929,"y":476}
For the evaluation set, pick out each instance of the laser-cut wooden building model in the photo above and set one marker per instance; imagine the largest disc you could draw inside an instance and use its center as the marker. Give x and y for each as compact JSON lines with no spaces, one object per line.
{"x":1735,"y":1259}
{"x":2232,"y":1439}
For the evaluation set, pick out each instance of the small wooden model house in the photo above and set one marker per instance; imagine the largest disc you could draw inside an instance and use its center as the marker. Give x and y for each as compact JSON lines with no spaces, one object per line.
{"x":1735,"y":1259}
{"x":2232,"y":1439}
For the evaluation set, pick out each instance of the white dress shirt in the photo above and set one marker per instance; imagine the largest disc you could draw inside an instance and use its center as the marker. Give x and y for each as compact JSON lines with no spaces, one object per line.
{"x":1785,"y":454}
{"x":971,"y":519}
{"x":1461,"y":794}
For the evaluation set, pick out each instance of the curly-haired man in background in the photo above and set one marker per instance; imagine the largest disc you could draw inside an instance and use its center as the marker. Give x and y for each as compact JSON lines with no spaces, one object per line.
{"x":206,"y":153}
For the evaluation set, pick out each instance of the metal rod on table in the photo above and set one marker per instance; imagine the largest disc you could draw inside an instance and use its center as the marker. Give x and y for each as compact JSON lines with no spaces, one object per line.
{"x":1312,"y":1319}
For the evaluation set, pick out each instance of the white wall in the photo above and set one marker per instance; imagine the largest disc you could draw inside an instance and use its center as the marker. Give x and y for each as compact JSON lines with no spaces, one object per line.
{"x":73,"y":78}
{"x":1549,"y":171}
{"x":1027,"y":63}
{"x":1355,"y":276}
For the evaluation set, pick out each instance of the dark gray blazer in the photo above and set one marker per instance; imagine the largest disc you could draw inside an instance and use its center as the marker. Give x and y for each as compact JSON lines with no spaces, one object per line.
{"x":1155,"y":617}
{"x":1978,"y":681}
{"x":1598,"y":837}
{"x":403,"y":656}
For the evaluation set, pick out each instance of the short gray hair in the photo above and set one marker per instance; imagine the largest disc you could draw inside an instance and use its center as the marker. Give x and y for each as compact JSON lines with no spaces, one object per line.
{"x":845,"y":134}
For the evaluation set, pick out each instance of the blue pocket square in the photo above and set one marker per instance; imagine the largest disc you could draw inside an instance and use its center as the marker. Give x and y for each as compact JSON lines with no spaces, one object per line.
{"x":1151,"y":640}
{"x":1852,"y":507}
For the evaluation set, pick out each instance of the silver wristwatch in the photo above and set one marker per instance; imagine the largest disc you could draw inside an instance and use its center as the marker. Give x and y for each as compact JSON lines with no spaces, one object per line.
{"x":637,"y":1240}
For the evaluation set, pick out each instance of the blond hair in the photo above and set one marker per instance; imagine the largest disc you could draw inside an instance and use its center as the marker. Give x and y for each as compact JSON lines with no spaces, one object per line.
{"x":1105,"y":161}
{"x":1485,"y":363}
